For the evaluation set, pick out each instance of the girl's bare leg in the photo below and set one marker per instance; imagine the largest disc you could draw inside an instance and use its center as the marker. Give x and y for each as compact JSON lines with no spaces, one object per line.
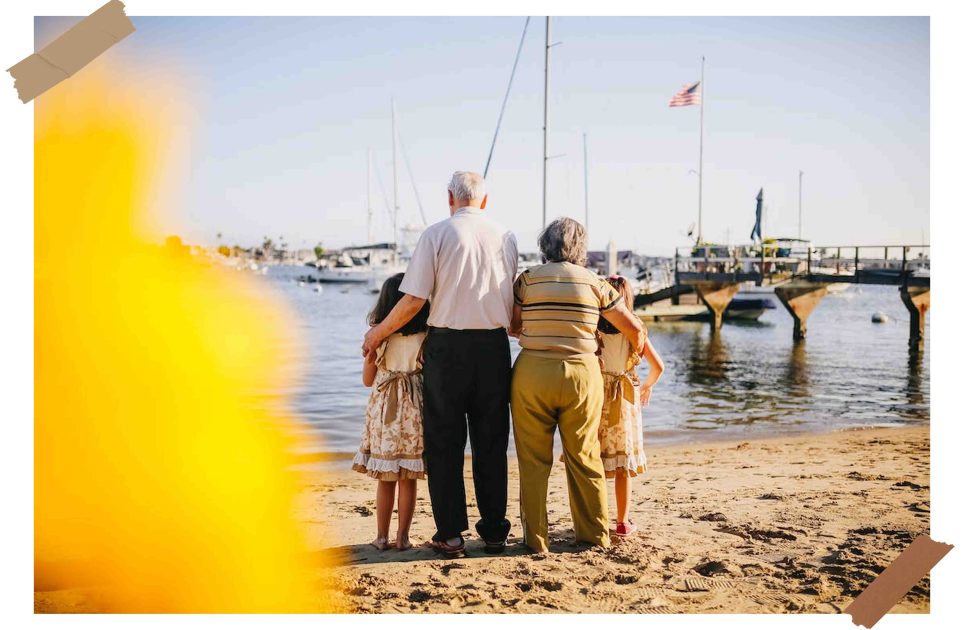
{"x":624,"y":491}
{"x":384,"y":505}
{"x":407,"y":490}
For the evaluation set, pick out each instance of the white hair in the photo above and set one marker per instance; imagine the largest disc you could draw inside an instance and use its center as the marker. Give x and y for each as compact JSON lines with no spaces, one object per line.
{"x":467,"y":185}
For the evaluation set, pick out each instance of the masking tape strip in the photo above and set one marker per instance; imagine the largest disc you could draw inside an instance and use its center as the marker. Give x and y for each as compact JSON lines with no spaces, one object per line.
{"x":897,"y":579}
{"x":70,"y":52}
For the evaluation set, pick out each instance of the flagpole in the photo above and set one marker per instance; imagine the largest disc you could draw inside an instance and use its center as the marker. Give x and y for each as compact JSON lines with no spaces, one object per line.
{"x":699,"y":229}
{"x":545,"y":124}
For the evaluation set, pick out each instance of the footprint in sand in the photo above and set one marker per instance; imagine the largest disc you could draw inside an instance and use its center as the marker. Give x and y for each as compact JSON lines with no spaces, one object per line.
{"x":672,"y":559}
{"x":712,"y":517}
{"x":710,"y":568}
{"x":920,"y":509}
{"x":749,"y":533}
{"x":909,"y":484}
{"x":703,"y":584}
{"x":448,"y":568}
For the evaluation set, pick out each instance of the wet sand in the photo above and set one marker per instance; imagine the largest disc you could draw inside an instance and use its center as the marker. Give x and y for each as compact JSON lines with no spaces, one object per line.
{"x":792,"y":524}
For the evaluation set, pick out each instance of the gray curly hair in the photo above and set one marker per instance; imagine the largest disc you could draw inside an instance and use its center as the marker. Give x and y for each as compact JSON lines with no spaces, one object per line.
{"x":564,"y":240}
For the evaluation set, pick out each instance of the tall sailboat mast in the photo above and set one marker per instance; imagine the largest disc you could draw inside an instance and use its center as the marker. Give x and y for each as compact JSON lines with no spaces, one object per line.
{"x":394,"y":181}
{"x":800,"y":208}
{"x":585,"y":177}
{"x":368,"y":192}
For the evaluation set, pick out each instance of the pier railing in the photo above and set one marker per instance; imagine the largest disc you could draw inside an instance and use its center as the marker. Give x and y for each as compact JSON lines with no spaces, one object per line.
{"x":907,"y":265}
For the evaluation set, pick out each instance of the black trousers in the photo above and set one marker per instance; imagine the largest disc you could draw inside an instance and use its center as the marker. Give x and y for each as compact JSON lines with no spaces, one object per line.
{"x":467,"y":374}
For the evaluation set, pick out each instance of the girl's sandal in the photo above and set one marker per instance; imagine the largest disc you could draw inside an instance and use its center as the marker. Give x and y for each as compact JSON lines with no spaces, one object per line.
{"x":405,"y":546}
{"x":381,"y":543}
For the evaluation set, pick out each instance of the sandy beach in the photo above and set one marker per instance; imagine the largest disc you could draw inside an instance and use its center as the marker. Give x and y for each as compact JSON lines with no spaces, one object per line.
{"x":791,"y":524}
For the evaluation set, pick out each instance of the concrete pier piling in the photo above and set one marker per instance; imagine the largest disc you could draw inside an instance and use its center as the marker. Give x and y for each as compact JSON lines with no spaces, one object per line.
{"x":800,"y":297}
{"x":716,"y":296}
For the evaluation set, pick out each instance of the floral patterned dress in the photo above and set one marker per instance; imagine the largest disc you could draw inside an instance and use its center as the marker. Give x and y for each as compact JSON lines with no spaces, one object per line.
{"x":621,"y":424}
{"x":391,"y":445}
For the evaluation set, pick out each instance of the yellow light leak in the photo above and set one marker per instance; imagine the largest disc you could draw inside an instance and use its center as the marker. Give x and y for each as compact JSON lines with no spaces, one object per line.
{"x":161,"y":481}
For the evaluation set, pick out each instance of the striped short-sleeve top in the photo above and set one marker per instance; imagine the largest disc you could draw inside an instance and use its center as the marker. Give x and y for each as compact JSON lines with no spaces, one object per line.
{"x":561,"y":303}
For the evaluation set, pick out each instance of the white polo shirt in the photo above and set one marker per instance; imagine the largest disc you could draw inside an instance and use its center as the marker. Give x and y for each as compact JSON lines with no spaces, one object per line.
{"x":465,"y":265}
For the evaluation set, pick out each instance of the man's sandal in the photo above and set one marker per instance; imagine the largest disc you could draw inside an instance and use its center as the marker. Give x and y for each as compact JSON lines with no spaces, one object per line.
{"x":449,"y":551}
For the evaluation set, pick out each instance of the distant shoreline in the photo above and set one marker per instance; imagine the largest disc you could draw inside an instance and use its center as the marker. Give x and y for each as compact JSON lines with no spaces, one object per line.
{"x":707,"y":437}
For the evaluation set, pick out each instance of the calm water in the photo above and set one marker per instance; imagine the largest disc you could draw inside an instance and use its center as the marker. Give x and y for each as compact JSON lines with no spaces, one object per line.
{"x":750,"y":379}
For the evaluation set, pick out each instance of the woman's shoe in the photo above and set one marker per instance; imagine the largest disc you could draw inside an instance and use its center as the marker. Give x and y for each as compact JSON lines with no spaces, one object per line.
{"x":625,"y":530}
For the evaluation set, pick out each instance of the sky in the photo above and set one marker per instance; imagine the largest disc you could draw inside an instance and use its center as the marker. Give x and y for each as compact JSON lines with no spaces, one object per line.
{"x":283,"y":112}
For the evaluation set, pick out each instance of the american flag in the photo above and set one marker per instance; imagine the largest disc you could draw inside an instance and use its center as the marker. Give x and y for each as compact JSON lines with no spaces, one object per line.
{"x":689,"y":95}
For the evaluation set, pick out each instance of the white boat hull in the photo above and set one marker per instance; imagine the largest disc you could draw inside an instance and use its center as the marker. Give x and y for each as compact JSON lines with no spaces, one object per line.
{"x":352,"y":276}
{"x":358,"y":275}
{"x":745,"y":314}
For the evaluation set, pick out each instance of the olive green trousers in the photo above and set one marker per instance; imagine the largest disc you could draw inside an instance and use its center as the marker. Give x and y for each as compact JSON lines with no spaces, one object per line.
{"x":566,"y":392}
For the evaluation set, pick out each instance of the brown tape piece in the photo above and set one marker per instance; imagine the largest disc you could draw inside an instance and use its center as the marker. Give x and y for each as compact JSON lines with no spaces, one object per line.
{"x":70,"y":52}
{"x":890,"y":586}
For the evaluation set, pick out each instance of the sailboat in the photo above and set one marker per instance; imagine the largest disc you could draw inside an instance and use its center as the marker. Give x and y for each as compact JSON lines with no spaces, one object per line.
{"x":373,"y":263}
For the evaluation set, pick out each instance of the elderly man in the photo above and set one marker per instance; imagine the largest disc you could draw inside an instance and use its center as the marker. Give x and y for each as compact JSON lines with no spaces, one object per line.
{"x":466,"y":264}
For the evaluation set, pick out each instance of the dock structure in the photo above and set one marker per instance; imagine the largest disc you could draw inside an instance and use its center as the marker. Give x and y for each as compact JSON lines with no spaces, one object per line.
{"x":801,"y":277}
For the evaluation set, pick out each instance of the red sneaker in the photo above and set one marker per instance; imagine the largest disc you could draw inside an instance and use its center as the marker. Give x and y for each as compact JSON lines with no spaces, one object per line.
{"x":625,"y":529}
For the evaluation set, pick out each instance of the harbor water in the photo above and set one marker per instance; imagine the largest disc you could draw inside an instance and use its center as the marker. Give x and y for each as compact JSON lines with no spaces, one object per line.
{"x":748,"y":380}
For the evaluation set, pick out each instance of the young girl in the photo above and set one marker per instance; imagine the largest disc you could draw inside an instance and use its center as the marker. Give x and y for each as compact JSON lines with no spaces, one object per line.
{"x":391,"y":444}
{"x":621,"y":425}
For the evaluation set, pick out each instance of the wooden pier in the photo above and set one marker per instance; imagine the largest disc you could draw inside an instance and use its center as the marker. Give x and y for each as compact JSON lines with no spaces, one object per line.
{"x":800,"y":278}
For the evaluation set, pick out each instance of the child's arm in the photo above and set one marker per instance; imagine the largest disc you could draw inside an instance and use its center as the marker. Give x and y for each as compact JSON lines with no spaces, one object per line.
{"x":655,"y":371}
{"x":369,"y":370}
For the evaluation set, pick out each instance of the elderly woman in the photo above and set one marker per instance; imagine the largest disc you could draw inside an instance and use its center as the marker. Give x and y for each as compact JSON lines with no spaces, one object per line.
{"x":556,"y":381}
